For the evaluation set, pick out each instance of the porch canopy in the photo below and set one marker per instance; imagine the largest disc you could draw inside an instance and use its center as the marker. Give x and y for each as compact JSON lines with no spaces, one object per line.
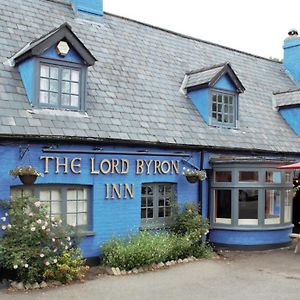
{"x":293,"y":166}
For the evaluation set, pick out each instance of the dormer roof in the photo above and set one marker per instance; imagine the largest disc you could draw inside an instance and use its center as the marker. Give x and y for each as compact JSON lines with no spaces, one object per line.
{"x":208,"y":77}
{"x":38,"y":46}
{"x":288,"y":98}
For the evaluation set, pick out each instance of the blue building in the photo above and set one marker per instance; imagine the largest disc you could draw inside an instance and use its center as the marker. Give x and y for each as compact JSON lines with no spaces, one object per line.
{"x":111,"y":111}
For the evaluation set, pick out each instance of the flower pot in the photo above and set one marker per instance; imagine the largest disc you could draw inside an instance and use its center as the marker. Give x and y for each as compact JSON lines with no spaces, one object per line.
{"x":28,"y":179}
{"x":192,"y":179}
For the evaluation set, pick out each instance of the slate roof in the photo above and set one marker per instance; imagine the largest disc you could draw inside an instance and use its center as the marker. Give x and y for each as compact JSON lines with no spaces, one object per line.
{"x":209,"y":76}
{"x":134,"y":87}
{"x":287,"y":98}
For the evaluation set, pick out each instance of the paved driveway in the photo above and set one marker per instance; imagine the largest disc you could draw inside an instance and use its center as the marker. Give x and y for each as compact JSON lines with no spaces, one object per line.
{"x":268,"y":275}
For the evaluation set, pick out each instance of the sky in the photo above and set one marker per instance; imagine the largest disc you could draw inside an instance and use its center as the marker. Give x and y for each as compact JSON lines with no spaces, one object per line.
{"x":257,"y":26}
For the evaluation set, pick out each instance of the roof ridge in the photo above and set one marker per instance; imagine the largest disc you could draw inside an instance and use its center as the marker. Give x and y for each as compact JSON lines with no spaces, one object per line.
{"x":191,"y":37}
{"x":206,"y":68}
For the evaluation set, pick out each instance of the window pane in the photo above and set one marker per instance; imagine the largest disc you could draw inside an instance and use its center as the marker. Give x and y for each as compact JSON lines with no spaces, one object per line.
{"x":54,"y":73}
{"x":143,"y":201}
{"x":45,"y":195}
{"x":150,"y":213}
{"x":53,"y":86}
{"x":273,"y":177}
{"x":44,"y":84}
{"x":44,"y":97}
{"x":53,"y":98}
{"x":55,"y":207}
{"x":71,"y":207}
{"x":214,"y":107}
{"x":161,"y":212}
{"x":71,"y":219}
{"x":44,"y":71}
{"x":65,"y":87}
{"x":74,"y":101}
{"x":272,"y":206}
{"x":288,"y":177}
{"x":55,"y":195}
{"x":150,"y":202}
{"x":223,"y":206}
{"x":168,"y":212}
{"x":75,"y":75}
{"x":149,"y":190}
{"x":161,"y":202}
{"x":143,"y":213}
{"x":66,"y":74}
{"x":223,"y":176}
{"x":288,"y":206}
{"x":82,"y":206}
{"x":82,"y":219}
{"x":71,"y":195}
{"x":65,"y":100}
{"x":248,"y":176}
{"x":248,"y":207}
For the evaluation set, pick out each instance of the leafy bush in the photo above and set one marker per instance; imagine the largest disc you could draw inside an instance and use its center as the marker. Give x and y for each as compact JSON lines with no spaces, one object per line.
{"x":189,"y":221}
{"x":69,"y":266}
{"x":32,"y":242}
{"x":145,"y":248}
{"x":141,"y":249}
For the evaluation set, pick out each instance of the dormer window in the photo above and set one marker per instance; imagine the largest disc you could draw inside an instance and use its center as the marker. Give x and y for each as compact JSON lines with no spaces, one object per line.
{"x":214,"y":92}
{"x":53,"y":69}
{"x":223,"y":108}
{"x":60,"y":86}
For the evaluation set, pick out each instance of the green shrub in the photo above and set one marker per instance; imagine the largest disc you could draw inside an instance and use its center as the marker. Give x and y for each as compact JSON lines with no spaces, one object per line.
{"x":146,"y":248}
{"x":69,"y":267}
{"x":141,"y":249}
{"x":32,"y":242}
{"x":190,"y":224}
{"x":188,"y":221}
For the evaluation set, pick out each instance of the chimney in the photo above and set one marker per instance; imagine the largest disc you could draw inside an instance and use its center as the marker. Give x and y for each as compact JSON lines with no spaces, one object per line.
{"x":291,"y":58}
{"x":94,"y":7}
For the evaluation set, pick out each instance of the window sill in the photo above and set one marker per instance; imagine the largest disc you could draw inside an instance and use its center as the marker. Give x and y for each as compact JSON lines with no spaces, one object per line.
{"x":149,"y":227}
{"x":58,"y":112}
{"x":86,"y":233}
{"x":252,"y":227}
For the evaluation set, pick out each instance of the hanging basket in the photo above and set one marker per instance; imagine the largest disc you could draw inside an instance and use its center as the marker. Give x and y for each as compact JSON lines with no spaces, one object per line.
{"x":28,"y":179}
{"x":192,"y":179}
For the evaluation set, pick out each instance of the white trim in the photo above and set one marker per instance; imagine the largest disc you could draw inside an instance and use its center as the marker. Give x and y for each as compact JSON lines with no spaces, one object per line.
{"x":248,"y":222}
{"x":270,"y":221}
{"x":223,"y":220}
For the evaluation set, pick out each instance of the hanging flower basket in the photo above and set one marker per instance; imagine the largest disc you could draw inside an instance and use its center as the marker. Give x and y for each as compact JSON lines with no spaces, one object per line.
{"x":192,"y":179}
{"x":27,"y":174}
{"x":193,"y":176}
{"x":28,"y":179}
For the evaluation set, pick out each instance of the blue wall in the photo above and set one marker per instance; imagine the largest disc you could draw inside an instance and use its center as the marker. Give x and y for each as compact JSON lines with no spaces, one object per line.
{"x":110,"y":218}
{"x":201,"y":101}
{"x":72,"y":56}
{"x":27,"y":70}
{"x":89,"y":6}
{"x":291,"y":59}
{"x":292,"y":116}
{"x":225,"y":83}
{"x":250,"y":237}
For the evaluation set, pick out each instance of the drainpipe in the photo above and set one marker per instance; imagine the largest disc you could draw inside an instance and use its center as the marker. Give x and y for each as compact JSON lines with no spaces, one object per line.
{"x":200,"y":185}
